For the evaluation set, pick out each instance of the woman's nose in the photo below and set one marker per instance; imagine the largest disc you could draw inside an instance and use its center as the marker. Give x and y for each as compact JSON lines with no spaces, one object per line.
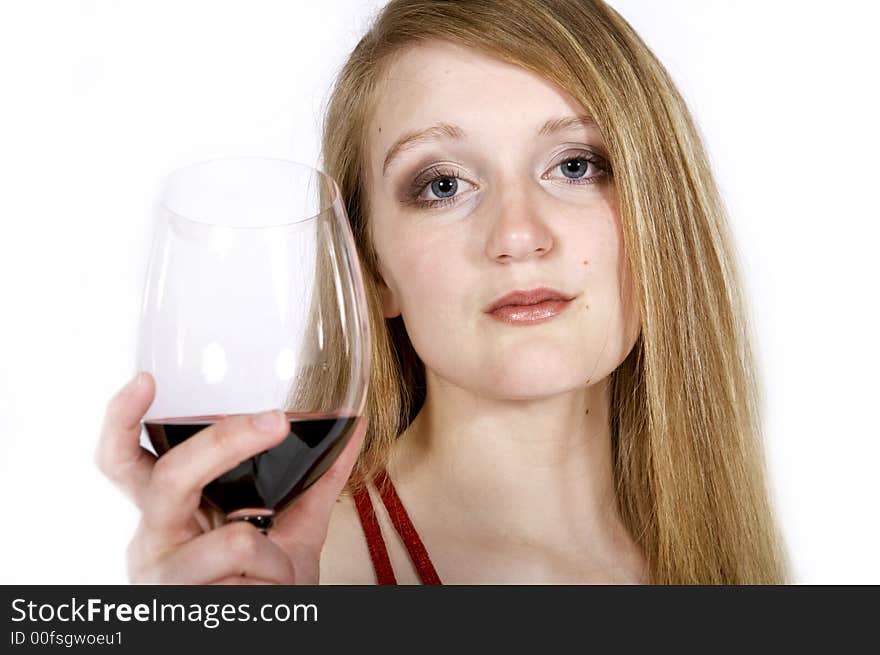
{"x":517,"y":230}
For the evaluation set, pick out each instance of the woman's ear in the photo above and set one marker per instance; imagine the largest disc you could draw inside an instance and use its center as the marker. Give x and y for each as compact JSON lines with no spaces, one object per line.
{"x":390,"y":306}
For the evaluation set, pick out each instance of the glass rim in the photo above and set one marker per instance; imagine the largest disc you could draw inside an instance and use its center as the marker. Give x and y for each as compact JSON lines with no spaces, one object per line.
{"x":334,"y":191}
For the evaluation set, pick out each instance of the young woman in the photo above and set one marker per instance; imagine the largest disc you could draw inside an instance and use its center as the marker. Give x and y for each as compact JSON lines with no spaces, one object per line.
{"x":563,"y":389}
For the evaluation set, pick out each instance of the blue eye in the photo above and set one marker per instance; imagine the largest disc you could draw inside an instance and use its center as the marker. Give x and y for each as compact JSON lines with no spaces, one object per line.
{"x":574,"y":168}
{"x":444,"y":187}
{"x":444,"y":182}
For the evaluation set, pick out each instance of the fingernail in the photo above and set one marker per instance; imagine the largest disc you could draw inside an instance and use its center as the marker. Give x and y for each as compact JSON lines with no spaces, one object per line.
{"x":134,"y":383}
{"x":267,"y":421}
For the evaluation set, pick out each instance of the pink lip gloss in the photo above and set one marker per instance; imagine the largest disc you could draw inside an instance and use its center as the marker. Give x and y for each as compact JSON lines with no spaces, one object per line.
{"x":530,"y":314}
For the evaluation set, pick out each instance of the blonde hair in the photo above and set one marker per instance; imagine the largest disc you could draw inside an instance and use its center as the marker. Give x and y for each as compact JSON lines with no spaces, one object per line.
{"x":685,"y":403}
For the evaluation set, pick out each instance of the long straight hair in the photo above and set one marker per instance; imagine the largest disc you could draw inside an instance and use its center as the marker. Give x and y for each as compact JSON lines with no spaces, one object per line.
{"x":685,"y":404}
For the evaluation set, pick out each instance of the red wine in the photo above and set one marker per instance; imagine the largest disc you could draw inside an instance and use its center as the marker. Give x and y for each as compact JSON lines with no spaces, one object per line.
{"x":274,"y":477}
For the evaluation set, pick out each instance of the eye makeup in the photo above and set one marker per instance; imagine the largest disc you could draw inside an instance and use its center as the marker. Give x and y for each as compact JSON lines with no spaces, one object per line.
{"x":595,"y":164}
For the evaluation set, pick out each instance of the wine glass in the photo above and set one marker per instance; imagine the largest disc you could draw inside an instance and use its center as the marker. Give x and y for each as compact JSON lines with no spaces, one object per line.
{"x":254,"y":301}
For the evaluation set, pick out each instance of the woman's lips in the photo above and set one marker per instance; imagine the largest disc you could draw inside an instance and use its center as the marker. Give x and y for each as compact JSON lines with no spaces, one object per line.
{"x":530,"y":314}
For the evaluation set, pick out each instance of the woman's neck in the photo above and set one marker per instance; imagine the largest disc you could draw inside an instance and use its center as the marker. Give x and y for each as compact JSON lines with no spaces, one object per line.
{"x":532,"y":471}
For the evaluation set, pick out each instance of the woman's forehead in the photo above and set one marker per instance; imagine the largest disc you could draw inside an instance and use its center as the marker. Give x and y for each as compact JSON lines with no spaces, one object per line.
{"x":443,"y":84}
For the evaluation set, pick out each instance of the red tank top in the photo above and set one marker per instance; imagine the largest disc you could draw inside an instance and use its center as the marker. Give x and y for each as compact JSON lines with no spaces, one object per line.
{"x":403,"y":525}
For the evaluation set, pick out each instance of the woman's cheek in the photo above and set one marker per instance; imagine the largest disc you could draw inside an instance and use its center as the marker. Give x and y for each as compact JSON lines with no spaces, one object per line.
{"x":427,"y":287}
{"x":433,"y":285}
{"x":426,"y":270}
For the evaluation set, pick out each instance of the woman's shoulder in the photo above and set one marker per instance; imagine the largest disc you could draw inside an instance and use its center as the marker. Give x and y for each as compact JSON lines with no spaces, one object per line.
{"x":345,"y":558}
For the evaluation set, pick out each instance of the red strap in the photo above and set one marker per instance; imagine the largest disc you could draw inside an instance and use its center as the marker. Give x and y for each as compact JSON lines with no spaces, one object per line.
{"x":405,"y":529}
{"x":375,"y":542}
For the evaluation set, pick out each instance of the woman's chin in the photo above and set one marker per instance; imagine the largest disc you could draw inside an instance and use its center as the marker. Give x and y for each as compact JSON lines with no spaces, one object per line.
{"x":537,"y":371}
{"x":522,"y":380}
{"x":531,"y":390}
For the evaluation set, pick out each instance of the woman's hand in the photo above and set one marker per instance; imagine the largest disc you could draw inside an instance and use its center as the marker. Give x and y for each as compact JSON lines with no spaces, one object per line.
{"x":179,"y":540}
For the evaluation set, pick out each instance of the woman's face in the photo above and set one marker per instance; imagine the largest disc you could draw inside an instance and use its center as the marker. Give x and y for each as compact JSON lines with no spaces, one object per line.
{"x":496,"y":194}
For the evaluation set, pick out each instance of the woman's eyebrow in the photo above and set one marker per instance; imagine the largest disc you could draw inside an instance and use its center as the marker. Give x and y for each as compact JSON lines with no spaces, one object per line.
{"x":435,"y":132}
{"x":440,"y":131}
{"x":566,"y":122}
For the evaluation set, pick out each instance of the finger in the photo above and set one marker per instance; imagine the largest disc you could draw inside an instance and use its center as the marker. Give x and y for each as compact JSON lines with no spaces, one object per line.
{"x":175,"y":486}
{"x":305,"y":521}
{"x":237,"y":549}
{"x":208,"y":517}
{"x":119,"y":455}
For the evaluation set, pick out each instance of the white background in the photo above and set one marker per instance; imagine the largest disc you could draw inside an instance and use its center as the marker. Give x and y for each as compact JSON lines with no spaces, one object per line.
{"x":99,"y":100}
